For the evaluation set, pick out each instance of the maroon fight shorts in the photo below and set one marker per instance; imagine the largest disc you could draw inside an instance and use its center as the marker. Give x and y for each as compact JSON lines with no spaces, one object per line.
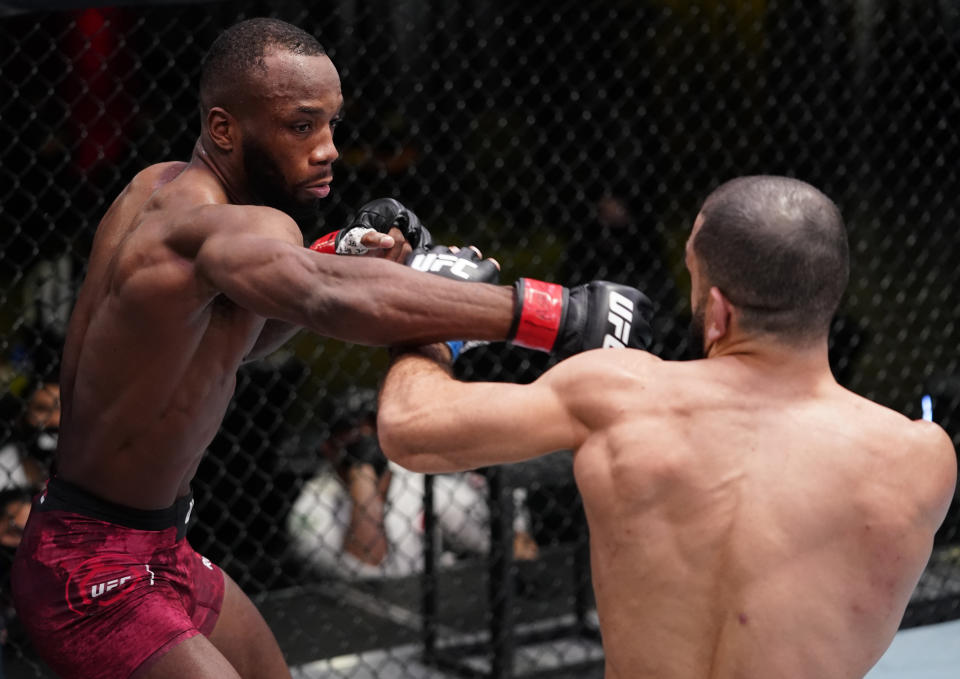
{"x":103,"y":589}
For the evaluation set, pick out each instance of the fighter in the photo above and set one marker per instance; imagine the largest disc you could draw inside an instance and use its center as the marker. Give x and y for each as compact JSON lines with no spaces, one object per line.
{"x":194,"y":269}
{"x":748,"y":516}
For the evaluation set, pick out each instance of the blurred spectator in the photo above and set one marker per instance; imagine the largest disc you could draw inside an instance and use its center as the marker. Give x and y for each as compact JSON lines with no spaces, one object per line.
{"x":14,"y":511}
{"x":26,"y":459}
{"x":362,"y":517}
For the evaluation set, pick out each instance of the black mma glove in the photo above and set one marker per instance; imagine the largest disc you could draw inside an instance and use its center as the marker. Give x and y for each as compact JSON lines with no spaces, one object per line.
{"x":380,"y":215}
{"x":464,"y":265}
{"x":566,"y":321}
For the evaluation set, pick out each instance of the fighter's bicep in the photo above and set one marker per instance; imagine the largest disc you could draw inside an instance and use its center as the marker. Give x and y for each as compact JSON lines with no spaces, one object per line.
{"x":219,"y":225}
{"x":533,"y":418}
{"x":593,"y":388}
{"x":562,"y":426}
{"x":228,"y":238}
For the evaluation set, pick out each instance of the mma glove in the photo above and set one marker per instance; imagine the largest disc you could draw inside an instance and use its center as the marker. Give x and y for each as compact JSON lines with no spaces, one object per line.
{"x":565,"y":321}
{"x":463,"y":265}
{"x":549,"y":317}
{"x":379,"y":215}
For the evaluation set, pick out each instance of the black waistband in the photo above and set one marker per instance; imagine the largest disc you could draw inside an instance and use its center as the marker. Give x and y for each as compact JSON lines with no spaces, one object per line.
{"x":65,"y":496}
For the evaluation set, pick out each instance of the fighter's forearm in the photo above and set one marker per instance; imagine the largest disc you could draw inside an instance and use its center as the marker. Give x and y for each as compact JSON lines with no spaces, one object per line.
{"x":430,"y":422}
{"x":386,"y":304}
{"x":408,"y":426}
{"x":367,"y":301}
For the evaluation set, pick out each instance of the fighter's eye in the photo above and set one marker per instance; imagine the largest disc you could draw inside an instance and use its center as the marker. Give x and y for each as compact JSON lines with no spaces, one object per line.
{"x":302,"y":127}
{"x":334,"y":122}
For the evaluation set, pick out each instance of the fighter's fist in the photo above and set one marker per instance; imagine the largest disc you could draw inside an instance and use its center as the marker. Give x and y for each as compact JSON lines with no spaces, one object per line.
{"x":566,"y":321}
{"x":378,"y":216}
{"x":461,"y":265}
{"x":383,"y":214}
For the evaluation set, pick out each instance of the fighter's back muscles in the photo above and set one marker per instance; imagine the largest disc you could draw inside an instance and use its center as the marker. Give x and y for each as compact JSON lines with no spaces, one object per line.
{"x":721,"y":526}
{"x":723,"y":520}
{"x":113,"y":228}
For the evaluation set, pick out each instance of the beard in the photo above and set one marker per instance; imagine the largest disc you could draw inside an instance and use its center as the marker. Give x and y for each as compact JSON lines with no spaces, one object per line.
{"x":695,"y":331}
{"x":268,"y":185}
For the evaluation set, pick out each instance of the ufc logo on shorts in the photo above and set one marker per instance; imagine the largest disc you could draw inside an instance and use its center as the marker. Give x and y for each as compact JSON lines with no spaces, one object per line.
{"x":433,"y":262}
{"x":101,"y":587}
{"x":620,"y":317}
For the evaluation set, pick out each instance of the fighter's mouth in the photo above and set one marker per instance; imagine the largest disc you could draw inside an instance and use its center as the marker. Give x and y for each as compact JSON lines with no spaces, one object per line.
{"x":320,"y":189}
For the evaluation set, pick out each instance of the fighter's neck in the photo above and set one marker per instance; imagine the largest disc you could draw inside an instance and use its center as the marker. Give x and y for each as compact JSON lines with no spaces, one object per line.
{"x":807,"y":362}
{"x":233,"y":186}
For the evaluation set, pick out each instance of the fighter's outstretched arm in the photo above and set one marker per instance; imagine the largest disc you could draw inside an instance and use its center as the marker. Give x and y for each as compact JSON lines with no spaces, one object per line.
{"x":429,"y":422}
{"x":277,"y":333}
{"x":264,"y":267}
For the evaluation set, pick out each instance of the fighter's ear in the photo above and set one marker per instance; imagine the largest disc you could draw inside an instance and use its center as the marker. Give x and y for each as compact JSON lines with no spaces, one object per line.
{"x":223,"y":129}
{"x":717,"y":316}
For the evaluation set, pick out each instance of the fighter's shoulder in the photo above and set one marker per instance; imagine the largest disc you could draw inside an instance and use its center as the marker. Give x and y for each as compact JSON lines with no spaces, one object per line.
{"x":152,"y":177}
{"x":924,"y":451}
{"x":913,"y":436}
{"x":187,"y":200}
{"x":184,"y":217}
{"x":606,"y":364}
{"x":245,"y":220}
{"x":599,"y":375}
{"x":931,"y":459}
{"x":145,"y":184}
{"x":931,"y":441}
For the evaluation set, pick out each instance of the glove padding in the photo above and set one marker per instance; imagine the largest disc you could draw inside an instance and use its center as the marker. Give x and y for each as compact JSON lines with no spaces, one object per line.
{"x":379,"y":215}
{"x":463,"y":265}
{"x":383,"y":214}
{"x":563,"y":321}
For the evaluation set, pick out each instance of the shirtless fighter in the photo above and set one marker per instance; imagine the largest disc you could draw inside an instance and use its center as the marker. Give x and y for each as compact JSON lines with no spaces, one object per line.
{"x":748,"y":516}
{"x":195,"y":268}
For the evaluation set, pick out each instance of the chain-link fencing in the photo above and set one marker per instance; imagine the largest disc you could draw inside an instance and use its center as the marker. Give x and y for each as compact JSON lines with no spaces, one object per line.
{"x":571,"y":140}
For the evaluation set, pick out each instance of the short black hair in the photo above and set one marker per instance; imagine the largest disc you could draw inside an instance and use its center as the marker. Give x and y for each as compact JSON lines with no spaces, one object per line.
{"x":777,"y":248}
{"x":240,"y":51}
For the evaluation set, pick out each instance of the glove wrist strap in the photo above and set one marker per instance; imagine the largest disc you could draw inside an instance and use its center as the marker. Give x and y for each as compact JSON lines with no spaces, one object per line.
{"x":326,"y":244}
{"x":537,"y":314}
{"x":347,"y":241}
{"x":455,"y":346}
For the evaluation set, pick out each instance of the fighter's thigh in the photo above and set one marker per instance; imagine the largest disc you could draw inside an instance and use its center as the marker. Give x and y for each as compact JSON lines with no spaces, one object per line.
{"x":196,"y":658}
{"x":243,"y":637}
